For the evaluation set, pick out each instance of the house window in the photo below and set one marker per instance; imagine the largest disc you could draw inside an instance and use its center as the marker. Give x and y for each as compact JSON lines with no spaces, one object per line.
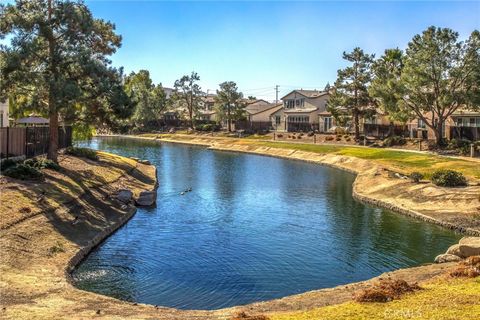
{"x":277,"y":120}
{"x":1,"y":119}
{"x":472,"y":122}
{"x":327,"y":123}
{"x":478,"y":122}
{"x":421,"y":124}
{"x":459,"y":122}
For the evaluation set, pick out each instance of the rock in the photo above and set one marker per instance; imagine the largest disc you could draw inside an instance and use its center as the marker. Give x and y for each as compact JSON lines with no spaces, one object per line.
{"x":124,"y":195}
{"x":172,"y":130}
{"x":468,"y":246}
{"x":134,"y":158}
{"x":455,"y":250}
{"x":146,"y":198}
{"x":144,"y":162}
{"x":442,"y":258}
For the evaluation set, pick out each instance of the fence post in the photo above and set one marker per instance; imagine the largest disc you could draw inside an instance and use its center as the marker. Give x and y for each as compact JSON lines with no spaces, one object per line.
{"x":420,"y":145}
{"x":26,"y":142}
{"x":8,"y":140}
{"x":274,"y":136}
{"x":472,"y":150}
{"x":314,"y":138}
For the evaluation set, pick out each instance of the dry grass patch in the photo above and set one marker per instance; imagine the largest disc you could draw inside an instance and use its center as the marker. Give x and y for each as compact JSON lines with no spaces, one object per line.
{"x":244,"y":316}
{"x":469,"y":268}
{"x":386,"y":290}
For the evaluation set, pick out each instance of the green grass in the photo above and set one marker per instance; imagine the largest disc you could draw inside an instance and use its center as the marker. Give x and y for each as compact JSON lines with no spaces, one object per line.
{"x":405,"y":162}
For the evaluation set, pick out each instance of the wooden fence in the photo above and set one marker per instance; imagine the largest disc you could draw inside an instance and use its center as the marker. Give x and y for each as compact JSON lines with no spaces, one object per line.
{"x":30,"y":141}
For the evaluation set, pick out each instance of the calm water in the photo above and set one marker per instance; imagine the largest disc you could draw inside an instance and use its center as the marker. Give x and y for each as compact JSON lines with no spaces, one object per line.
{"x":253,"y":228}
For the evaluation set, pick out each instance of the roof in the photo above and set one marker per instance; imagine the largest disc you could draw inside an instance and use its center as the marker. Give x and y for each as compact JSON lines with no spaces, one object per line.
{"x":466,"y":112}
{"x":32,"y":120}
{"x":308,"y":93}
{"x":258,"y":107}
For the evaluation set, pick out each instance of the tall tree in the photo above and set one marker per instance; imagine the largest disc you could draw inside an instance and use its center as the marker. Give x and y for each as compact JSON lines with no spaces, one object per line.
{"x":188,"y":94}
{"x":385,"y":88}
{"x":441,"y":74}
{"x":350,"y":89}
{"x":229,"y":102}
{"x":56,"y":48}
{"x":150,"y":99}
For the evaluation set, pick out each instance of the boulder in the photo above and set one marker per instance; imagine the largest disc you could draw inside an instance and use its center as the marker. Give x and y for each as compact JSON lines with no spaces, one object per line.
{"x":442,"y":258}
{"x":134,"y":158}
{"x":124,"y":195}
{"x":144,"y":162}
{"x":468,"y":246}
{"x":172,"y":130}
{"x":146,"y":198}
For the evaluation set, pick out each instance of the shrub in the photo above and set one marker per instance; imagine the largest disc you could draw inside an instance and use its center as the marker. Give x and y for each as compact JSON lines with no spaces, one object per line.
{"x":329,"y":138}
{"x":82,"y":152}
{"x":42,"y":164}
{"x":462,"y":145}
{"x":416,"y":176}
{"x":448,"y":178}
{"x":394,"y":141}
{"x":23,"y":171}
{"x":7,"y":163}
{"x":386,"y":290}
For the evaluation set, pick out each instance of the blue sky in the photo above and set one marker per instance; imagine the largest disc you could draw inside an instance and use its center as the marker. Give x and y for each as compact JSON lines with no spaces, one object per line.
{"x":261,"y":44}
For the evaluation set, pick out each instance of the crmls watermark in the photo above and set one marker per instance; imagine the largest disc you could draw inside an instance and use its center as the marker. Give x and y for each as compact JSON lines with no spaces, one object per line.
{"x":402,"y":313}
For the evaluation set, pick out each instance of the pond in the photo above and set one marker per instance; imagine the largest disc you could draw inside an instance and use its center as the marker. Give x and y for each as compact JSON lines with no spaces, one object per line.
{"x":253,"y":228}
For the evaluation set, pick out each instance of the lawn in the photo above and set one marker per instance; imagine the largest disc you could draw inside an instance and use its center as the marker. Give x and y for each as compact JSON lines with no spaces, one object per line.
{"x":405,"y":162}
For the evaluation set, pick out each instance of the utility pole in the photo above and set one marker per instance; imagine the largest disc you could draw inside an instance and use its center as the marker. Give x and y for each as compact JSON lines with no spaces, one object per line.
{"x":276,"y":93}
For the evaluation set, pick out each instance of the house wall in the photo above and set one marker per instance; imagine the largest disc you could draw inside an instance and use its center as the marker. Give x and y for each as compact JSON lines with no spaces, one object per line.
{"x":318,"y":102}
{"x":4,"y":114}
{"x":280,"y":112}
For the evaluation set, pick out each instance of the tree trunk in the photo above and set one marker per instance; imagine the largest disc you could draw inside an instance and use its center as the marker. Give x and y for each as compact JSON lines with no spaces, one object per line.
{"x":229,"y":120}
{"x":52,"y":105}
{"x":391,"y":129}
{"x":438,"y":131}
{"x":356,"y":123}
{"x":53,"y":138}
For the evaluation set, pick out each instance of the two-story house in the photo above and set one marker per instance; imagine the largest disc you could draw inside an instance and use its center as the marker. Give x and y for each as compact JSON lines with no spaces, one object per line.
{"x":303,"y":110}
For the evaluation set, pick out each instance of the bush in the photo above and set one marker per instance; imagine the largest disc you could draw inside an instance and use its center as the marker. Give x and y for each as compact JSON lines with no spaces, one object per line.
{"x":42,"y":164}
{"x":329,"y":138}
{"x":448,"y":178}
{"x":462,"y":145}
{"x":7,"y":163}
{"x":394,"y":141}
{"x":416,"y":176}
{"x":82,"y":152}
{"x":23,"y":171}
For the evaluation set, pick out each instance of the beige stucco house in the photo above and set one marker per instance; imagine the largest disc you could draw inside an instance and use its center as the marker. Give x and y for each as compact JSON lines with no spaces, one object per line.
{"x":303,"y":110}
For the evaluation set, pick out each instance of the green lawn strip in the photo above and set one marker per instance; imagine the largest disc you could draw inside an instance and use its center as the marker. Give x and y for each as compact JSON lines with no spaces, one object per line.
{"x":406,"y":162}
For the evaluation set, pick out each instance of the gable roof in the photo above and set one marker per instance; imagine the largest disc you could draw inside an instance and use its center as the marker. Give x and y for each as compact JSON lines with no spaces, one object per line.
{"x":308,"y":93}
{"x":257,"y":108}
